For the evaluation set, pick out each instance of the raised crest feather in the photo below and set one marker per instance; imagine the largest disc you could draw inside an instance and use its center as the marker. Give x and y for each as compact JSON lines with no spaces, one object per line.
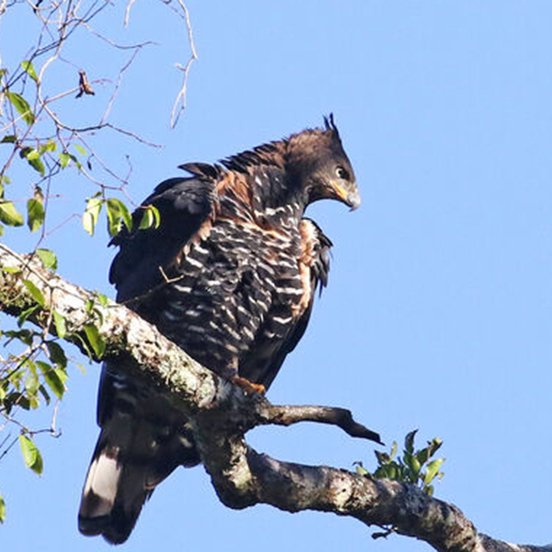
{"x":329,"y":124}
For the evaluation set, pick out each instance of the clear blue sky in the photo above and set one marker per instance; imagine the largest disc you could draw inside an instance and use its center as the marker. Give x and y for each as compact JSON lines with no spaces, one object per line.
{"x":438,"y":312}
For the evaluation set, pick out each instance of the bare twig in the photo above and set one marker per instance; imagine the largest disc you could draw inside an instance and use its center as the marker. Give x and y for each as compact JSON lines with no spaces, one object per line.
{"x":180,"y":102}
{"x":127,"y":12}
{"x":118,"y":85}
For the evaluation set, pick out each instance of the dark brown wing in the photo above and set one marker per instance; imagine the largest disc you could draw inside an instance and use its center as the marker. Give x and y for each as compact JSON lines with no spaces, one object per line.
{"x":143,"y":438}
{"x":183,"y":204}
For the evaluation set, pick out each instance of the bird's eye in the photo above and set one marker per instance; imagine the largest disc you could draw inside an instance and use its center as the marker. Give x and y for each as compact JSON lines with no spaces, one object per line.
{"x":342,"y":173}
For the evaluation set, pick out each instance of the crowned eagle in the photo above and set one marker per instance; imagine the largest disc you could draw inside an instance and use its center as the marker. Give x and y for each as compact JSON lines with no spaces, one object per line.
{"x":230,"y":276}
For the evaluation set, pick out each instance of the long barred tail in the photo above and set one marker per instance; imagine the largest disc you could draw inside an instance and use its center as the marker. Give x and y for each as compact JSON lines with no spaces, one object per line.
{"x":142,"y":441}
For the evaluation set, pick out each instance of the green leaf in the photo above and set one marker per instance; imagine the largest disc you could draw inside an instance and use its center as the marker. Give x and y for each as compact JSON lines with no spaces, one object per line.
{"x":389,"y":471}
{"x":409,"y":441}
{"x":434,"y":446}
{"x":25,"y":336}
{"x":113,"y":218}
{"x":89,"y":305}
{"x":432,"y":470}
{"x":32,"y":155}
{"x":52,"y":378}
{"x":61,"y":374}
{"x":382,"y":457}
{"x":91,"y":213}
{"x":31,"y":384}
{"x":64,"y":159}
{"x":17,"y":399}
{"x":102,"y":299}
{"x":95,"y":339}
{"x":31,"y":455}
{"x":9,"y":214}
{"x":30,"y":365}
{"x":50,"y":145}
{"x":150,"y":218}
{"x":44,"y":393}
{"x":59,"y":323}
{"x":126,"y":216}
{"x":2,"y":509}
{"x":11,"y":269}
{"x":414,"y":464}
{"x":35,"y":292}
{"x":423,"y":455}
{"x":360,"y":469}
{"x":37,"y":165}
{"x":22,"y":107}
{"x":394,"y":448}
{"x":29,"y":69}
{"x":57,"y":354}
{"x":9,"y":139}
{"x":35,"y":212}
{"x":84,"y":344}
{"x":21,"y":319}
{"x":117,"y":211}
{"x":76,"y":161}
{"x":47,"y":258}
{"x":80,"y":149}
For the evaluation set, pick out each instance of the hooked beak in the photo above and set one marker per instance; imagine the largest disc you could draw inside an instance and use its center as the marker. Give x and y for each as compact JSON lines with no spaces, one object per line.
{"x":352,"y":199}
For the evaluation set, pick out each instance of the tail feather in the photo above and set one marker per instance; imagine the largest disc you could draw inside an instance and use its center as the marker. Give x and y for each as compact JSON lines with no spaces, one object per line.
{"x":141,"y":443}
{"x":100,"y":487}
{"x":115,"y":490}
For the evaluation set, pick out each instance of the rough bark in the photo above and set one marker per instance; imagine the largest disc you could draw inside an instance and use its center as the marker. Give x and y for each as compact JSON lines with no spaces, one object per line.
{"x":222,"y":414}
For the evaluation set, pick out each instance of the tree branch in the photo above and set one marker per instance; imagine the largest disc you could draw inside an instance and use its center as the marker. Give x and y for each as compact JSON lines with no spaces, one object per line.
{"x":340,"y":417}
{"x":222,"y":413}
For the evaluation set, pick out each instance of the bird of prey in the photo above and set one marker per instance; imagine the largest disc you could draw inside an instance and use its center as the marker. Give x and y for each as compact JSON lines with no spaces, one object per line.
{"x":230,"y":276}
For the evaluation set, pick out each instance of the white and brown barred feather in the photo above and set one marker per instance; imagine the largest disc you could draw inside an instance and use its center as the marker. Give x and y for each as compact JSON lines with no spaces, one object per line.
{"x":230,"y":276}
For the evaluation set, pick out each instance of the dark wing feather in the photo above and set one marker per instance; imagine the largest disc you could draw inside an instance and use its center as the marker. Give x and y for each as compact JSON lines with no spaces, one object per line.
{"x":183,"y":204}
{"x":143,"y":438}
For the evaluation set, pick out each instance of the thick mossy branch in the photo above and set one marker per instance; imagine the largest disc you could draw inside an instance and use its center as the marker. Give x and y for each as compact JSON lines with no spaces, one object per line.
{"x":222,"y":413}
{"x":123,"y":334}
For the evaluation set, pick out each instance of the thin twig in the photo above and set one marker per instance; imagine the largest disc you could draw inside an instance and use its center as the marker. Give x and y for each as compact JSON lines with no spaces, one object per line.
{"x":180,"y":101}
{"x":127,"y":11}
{"x":118,"y":85}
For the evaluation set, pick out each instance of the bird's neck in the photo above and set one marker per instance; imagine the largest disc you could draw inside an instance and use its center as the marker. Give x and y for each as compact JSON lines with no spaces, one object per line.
{"x":276,"y":201}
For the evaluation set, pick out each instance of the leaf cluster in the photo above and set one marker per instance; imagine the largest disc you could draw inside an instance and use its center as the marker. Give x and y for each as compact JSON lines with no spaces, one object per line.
{"x":118,"y":215}
{"x":34,"y":372}
{"x":29,"y":380}
{"x":415,"y":466}
{"x":33,"y":376}
{"x":43,"y":145}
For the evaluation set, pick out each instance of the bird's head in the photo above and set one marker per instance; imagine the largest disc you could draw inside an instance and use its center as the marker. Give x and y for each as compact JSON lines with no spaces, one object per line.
{"x":321,"y":166}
